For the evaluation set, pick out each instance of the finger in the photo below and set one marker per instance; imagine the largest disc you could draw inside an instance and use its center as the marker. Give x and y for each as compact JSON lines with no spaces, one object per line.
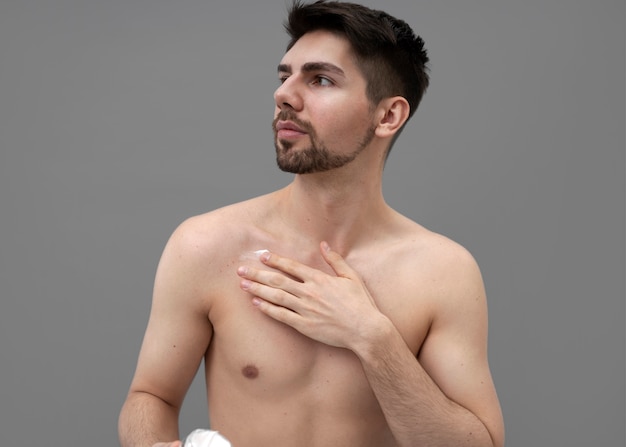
{"x":291,"y":267}
{"x":253,"y":279}
{"x":336,"y":262}
{"x":277,"y":312}
{"x":272,"y":295}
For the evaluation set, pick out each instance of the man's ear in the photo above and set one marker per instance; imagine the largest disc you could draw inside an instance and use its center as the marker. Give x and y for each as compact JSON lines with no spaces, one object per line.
{"x":392,"y":113}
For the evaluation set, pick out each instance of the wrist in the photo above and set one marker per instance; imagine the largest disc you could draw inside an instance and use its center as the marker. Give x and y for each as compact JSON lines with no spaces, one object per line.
{"x":374,"y":338}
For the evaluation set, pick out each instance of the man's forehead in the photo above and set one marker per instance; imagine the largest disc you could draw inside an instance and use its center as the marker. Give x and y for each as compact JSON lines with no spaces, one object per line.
{"x":319,"y":47}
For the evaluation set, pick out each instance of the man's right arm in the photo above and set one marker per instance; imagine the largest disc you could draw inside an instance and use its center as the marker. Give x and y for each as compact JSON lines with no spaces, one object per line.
{"x":176,"y":339}
{"x":146,"y":419}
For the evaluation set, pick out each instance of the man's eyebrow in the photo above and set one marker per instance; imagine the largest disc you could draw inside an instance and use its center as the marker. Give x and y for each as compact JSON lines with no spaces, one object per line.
{"x":322,"y":66}
{"x":313,"y":66}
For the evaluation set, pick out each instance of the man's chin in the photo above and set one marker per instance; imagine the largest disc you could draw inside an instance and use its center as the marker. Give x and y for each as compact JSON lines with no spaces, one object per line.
{"x":291,"y":166}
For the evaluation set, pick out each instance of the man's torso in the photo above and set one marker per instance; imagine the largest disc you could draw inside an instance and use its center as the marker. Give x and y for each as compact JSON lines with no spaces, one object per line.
{"x":267,"y":384}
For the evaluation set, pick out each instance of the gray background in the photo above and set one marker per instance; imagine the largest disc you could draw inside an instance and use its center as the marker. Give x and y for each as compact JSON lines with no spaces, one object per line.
{"x":120,"y":118}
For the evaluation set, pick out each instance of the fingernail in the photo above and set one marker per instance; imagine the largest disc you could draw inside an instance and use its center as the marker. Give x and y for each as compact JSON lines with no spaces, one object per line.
{"x":260,"y":253}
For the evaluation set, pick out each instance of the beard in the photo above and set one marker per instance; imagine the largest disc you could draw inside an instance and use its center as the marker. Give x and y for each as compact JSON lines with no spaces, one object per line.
{"x":316,"y":157}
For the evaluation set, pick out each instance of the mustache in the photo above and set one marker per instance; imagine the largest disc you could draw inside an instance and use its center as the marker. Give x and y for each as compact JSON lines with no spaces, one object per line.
{"x":288,"y":115}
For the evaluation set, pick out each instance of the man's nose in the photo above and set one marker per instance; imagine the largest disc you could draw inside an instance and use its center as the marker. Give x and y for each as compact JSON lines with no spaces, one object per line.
{"x":288,"y":95}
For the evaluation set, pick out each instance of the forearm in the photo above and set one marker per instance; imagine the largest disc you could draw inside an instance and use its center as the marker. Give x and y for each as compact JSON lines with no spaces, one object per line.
{"x":146,"y":419}
{"x":417,"y":411}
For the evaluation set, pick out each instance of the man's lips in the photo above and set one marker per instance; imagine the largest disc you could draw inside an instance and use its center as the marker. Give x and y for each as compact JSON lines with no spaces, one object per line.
{"x":286,"y":129}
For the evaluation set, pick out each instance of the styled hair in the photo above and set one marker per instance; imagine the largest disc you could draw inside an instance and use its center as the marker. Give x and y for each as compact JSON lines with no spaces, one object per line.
{"x":392,"y":58}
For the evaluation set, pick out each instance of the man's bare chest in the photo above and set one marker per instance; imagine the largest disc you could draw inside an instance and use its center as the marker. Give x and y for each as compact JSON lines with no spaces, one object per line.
{"x":260,"y":353}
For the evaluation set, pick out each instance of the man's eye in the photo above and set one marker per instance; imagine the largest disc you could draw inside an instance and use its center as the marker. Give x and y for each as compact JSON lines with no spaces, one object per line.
{"x":282,"y":79}
{"x":323,"y":81}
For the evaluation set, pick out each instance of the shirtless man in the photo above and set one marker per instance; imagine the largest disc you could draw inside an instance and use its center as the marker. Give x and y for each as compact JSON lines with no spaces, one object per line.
{"x":324,"y":317}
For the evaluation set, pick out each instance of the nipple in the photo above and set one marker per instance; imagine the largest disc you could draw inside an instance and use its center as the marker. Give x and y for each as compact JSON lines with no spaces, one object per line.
{"x":250,"y":372}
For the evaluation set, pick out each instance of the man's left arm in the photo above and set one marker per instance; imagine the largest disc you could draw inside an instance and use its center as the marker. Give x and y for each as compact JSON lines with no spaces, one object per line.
{"x":444,"y":398}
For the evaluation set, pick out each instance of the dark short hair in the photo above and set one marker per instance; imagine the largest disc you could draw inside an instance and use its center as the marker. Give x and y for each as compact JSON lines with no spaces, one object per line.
{"x":391,"y":57}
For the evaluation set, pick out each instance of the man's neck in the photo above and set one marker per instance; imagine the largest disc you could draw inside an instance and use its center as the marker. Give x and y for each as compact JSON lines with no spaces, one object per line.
{"x":326,"y":207}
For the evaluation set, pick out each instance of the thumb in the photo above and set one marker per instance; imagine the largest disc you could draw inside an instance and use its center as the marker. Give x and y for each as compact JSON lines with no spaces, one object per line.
{"x":336,"y":262}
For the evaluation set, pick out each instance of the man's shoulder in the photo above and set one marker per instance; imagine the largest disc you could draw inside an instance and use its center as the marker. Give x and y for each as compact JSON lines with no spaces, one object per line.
{"x":453,"y":271}
{"x":444,"y":249}
{"x":435,"y":255}
{"x":416,"y":241}
{"x":216,"y":230}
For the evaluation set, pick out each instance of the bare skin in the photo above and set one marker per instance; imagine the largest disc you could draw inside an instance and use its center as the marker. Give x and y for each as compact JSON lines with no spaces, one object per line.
{"x":358,"y":327}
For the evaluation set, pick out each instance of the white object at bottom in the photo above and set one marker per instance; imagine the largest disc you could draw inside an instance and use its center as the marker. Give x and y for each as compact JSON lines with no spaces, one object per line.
{"x":205,"y":438}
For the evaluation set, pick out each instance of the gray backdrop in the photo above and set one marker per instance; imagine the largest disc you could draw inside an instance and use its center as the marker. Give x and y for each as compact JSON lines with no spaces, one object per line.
{"x":120,"y":118}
